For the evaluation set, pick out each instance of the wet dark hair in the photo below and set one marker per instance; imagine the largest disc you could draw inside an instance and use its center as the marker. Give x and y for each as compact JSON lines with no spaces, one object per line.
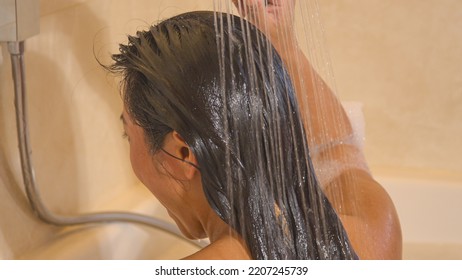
{"x":217,"y":81}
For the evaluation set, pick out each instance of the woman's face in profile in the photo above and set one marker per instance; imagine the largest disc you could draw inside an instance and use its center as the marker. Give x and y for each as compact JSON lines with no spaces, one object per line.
{"x":153,"y":170}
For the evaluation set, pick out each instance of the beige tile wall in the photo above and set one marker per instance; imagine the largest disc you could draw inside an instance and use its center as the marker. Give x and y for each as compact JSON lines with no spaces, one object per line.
{"x":401,"y":59}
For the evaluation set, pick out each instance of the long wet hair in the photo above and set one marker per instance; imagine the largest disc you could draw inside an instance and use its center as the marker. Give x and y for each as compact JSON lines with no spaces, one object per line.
{"x":217,"y":81}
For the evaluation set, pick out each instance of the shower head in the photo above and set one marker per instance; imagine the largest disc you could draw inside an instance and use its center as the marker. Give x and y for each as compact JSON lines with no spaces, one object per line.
{"x":19,"y":19}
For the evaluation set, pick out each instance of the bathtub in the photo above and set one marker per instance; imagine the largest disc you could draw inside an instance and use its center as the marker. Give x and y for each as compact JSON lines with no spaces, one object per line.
{"x":428,"y":209}
{"x":118,"y":240}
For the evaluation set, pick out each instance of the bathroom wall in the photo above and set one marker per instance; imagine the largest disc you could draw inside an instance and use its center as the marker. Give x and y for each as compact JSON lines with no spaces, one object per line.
{"x":401,"y":59}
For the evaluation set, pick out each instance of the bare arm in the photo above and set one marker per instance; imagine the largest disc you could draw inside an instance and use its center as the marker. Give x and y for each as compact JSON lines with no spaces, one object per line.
{"x":364,"y":207}
{"x":276,"y":20}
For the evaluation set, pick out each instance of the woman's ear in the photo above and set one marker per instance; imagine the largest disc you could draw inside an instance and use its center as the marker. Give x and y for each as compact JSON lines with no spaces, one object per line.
{"x":184,"y":164}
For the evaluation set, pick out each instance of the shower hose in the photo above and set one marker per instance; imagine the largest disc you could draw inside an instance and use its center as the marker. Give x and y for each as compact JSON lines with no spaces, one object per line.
{"x":16,"y":50}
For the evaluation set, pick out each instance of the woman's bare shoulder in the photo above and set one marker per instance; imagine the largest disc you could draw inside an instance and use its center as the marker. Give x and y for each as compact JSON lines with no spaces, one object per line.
{"x":368,"y":215}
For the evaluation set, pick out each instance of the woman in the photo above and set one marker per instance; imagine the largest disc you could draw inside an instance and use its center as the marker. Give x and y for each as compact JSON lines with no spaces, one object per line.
{"x":217,"y":138}
{"x":364,"y":207}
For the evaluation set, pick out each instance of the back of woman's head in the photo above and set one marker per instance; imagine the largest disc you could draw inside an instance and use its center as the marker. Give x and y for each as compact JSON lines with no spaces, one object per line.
{"x":216,"y":80}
